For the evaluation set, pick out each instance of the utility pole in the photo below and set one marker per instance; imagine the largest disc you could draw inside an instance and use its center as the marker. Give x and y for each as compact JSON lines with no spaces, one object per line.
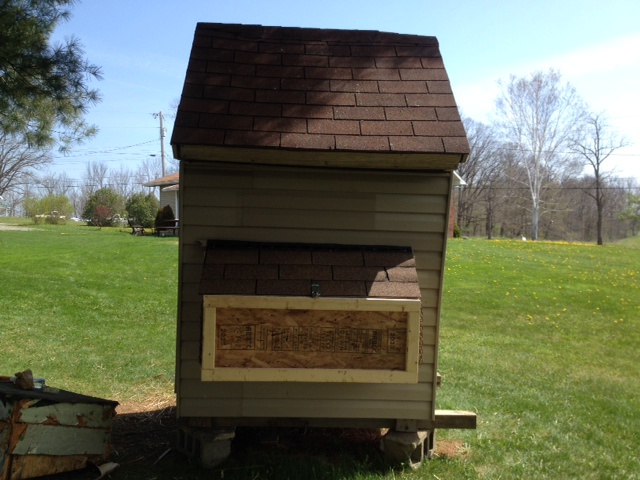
{"x":162,"y":132}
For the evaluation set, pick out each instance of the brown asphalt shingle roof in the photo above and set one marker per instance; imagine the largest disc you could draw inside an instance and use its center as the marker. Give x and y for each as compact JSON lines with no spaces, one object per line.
{"x":283,"y":88}
{"x":253,"y":268}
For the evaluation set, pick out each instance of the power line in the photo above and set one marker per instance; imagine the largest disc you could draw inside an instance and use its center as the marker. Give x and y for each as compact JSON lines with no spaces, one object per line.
{"x":114,"y":149}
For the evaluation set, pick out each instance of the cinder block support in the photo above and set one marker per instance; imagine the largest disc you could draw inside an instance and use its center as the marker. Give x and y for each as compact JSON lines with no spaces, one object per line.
{"x":210,"y":446}
{"x":408,"y":447}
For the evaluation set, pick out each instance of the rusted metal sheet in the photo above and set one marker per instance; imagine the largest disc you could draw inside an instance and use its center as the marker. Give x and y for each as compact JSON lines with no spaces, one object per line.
{"x":49,"y":431}
{"x":71,"y":414}
{"x":30,"y":439}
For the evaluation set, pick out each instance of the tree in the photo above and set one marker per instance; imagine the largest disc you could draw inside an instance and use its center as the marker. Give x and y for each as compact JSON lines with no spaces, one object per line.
{"x":480,"y":172}
{"x":538,"y":116}
{"x":56,"y":184}
{"x":47,"y":205}
{"x":105,"y":197}
{"x":594,"y":146}
{"x":44,"y":92}
{"x":94,"y":177}
{"x":143,"y":209}
{"x":102,"y":216}
{"x":17,"y":161}
{"x":631,"y":213}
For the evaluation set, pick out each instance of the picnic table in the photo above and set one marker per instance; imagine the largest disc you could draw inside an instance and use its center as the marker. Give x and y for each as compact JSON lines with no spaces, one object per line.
{"x":135,"y":228}
{"x":168,"y":227}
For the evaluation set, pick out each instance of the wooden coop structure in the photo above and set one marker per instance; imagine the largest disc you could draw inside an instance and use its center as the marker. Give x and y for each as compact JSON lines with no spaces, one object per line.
{"x":316,"y":171}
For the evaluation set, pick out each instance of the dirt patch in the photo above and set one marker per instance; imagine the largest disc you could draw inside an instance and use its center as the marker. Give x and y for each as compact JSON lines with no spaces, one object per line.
{"x":451,"y":449}
{"x":142,"y":436}
{"x":6,"y":226}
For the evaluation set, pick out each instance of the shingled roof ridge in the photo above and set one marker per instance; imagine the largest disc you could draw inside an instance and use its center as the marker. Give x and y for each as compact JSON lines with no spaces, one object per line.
{"x":325,"y":35}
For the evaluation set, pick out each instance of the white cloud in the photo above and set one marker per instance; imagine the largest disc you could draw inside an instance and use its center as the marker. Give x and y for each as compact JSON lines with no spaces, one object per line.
{"x":606,"y":76}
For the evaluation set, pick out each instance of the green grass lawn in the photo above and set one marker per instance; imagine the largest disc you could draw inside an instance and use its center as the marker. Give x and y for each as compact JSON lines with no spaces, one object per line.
{"x":540,"y":339}
{"x":90,"y":310}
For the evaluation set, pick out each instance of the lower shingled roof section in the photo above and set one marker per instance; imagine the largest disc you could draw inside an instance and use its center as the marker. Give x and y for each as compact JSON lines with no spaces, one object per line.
{"x":305,"y":270}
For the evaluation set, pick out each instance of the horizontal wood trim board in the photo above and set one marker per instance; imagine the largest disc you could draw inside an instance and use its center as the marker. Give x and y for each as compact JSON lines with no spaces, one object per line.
{"x":456,"y":419}
{"x":311,"y":375}
{"x":308,"y":303}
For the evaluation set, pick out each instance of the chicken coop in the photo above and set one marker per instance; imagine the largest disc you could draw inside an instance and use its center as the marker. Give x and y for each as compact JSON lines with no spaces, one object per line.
{"x":316,"y":171}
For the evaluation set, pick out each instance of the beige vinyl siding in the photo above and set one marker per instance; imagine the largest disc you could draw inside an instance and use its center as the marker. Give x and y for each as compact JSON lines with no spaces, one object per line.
{"x":255,"y":203}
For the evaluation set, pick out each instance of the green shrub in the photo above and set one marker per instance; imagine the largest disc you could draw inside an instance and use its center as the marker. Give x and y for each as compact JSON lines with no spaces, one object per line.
{"x":163,"y":215}
{"x":49,"y":209}
{"x":105,"y":197}
{"x":142,"y":209}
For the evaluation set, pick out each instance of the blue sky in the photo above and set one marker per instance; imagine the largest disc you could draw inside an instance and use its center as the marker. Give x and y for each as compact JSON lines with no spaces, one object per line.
{"x":143,"y":48}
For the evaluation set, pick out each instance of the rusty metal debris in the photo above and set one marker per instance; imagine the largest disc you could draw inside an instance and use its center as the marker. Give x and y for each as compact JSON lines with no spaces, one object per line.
{"x":44,"y":431}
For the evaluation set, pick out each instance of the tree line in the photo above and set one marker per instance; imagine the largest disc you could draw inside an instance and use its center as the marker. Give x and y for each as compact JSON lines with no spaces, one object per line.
{"x":539,"y":171}
{"x":98,"y":186}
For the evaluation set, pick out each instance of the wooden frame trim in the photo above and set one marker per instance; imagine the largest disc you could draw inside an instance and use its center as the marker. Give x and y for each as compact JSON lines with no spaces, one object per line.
{"x":210,"y":372}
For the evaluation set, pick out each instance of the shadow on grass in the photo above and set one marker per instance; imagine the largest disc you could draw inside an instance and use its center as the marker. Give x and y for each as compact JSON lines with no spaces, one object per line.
{"x":144,"y":447}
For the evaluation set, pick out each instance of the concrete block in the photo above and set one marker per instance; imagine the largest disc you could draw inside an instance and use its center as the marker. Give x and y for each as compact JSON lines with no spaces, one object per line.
{"x":407,"y":447}
{"x":210,"y":446}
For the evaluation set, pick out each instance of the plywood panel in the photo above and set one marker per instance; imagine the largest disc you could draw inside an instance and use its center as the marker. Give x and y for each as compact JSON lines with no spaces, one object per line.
{"x":310,"y":339}
{"x":258,"y":338}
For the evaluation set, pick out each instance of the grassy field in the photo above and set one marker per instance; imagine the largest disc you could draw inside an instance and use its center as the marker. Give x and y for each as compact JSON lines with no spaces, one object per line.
{"x":90,"y":310}
{"x":540,"y":339}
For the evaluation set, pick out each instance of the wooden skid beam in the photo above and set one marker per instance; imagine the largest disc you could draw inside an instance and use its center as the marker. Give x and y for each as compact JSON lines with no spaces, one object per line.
{"x":455,"y":419}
